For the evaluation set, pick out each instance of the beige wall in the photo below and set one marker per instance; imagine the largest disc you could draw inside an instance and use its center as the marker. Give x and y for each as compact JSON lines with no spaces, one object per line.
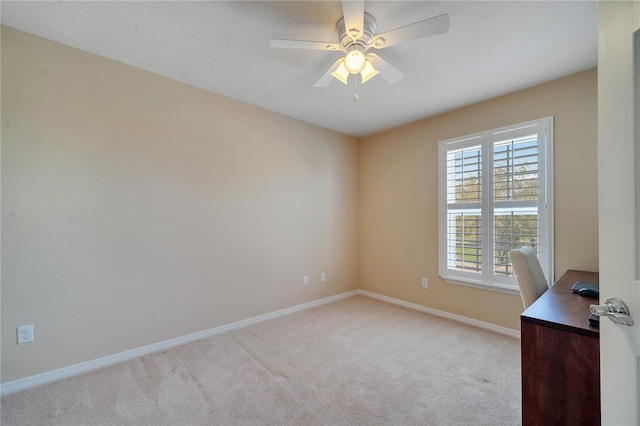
{"x":398,"y":188}
{"x":136,"y":209}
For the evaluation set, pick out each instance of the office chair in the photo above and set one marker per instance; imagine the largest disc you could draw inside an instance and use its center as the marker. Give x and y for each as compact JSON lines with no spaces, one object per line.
{"x":529,"y":274}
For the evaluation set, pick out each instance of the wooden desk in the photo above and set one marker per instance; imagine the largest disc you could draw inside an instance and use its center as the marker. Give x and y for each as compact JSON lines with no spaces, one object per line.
{"x":560,"y":357}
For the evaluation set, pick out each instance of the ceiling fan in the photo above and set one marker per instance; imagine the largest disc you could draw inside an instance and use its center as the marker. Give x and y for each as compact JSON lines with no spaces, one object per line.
{"x":356,"y":35}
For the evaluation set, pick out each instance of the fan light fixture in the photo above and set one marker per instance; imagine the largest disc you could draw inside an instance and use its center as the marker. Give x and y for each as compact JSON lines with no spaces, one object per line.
{"x":355,"y":62}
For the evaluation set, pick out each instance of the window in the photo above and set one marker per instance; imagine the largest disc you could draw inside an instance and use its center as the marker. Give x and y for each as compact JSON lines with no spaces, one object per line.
{"x":495,"y":195}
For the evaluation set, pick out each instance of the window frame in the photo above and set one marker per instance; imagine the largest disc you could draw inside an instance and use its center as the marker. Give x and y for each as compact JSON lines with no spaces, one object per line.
{"x":487,"y":140}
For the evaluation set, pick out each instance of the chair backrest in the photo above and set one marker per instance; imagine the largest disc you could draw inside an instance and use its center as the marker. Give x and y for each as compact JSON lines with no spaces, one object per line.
{"x":529,"y":274}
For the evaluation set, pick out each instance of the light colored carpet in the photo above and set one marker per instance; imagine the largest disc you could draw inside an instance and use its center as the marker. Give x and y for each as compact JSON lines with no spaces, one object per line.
{"x":357,"y":361}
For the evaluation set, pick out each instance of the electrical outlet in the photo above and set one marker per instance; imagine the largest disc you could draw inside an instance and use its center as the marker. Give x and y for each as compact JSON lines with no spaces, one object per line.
{"x":323,"y":277}
{"x":306,"y":280}
{"x":425,"y":283}
{"x":25,"y":334}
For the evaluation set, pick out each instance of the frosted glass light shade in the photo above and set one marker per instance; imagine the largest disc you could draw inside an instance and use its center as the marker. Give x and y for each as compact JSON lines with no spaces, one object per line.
{"x":341,"y":73}
{"x":368,"y":71}
{"x":354,"y":61}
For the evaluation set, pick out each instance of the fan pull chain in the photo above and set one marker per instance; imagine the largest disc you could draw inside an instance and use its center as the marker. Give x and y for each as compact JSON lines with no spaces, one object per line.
{"x":355,"y":85}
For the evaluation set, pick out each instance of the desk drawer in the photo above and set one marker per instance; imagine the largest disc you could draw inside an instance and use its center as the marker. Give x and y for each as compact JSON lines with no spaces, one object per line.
{"x":560,"y":377}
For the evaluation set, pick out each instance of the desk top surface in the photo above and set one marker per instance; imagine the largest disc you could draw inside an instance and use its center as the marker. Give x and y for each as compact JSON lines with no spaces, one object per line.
{"x":561,"y":309}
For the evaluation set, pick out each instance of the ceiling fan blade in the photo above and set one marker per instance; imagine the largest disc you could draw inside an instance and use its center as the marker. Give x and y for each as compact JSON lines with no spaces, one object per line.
{"x":422,"y":29}
{"x":353,"y":12}
{"x":387,"y":71}
{"x":327,"y":77}
{"x":303,"y":44}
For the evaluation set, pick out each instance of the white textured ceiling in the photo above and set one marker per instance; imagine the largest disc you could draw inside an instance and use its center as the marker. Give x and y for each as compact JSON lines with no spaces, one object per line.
{"x":492,"y":48}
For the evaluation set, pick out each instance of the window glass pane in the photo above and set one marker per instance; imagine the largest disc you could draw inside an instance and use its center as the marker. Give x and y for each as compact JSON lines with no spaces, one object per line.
{"x":515,"y":169}
{"x":513,"y":228}
{"x":464,"y":175}
{"x":464,"y":240}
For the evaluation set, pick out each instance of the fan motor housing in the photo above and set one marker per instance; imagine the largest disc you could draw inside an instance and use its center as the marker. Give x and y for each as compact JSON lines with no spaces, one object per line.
{"x":368,"y":31}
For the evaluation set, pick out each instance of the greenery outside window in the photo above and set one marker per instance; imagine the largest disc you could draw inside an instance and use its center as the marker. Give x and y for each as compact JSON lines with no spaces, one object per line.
{"x":495,"y":195}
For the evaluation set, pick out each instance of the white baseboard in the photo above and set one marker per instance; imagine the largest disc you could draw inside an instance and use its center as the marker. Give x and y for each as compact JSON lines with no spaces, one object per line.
{"x":481,"y":324}
{"x":76,"y":369}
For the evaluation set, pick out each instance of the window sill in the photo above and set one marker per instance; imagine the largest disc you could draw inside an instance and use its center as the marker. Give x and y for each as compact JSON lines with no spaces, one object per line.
{"x":501,"y":288}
